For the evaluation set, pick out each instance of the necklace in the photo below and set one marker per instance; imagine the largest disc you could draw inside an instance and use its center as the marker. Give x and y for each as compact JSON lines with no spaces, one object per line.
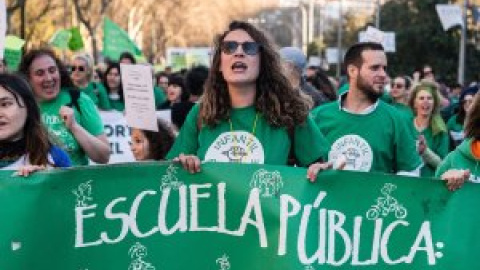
{"x":236,"y":149}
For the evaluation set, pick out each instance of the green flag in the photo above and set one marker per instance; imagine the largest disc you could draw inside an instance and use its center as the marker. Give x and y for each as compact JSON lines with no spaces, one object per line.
{"x":61,"y":39}
{"x":155,"y":215}
{"x":13,"y":51}
{"x":76,"y":42}
{"x":116,"y":41}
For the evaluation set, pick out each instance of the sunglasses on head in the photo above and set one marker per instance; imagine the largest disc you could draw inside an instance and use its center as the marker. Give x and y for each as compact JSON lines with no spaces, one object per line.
{"x":248,"y":47}
{"x":79,"y":68}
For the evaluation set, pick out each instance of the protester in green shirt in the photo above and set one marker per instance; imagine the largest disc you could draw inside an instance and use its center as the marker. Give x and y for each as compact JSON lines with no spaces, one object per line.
{"x":455,"y":123}
{"x":248,"y":109}
{"x":463,"y":164}
{"x":433,"y":136}
{"x":82,"y":75}
{"x":70,"y":116}
{"x":113,"y":83}
{"x":364,"y":131}
{"x":399,"y":92}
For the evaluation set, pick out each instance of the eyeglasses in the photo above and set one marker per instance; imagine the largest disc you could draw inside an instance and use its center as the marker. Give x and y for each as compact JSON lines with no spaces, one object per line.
{"x":397,"y":85}
{"x":248,"y":47}
{"x":79,"y":68}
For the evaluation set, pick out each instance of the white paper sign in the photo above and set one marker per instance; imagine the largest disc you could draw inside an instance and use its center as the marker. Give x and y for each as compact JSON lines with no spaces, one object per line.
{"x":388,"y":40}
{"x":138,"y":94}
{"x":3,"y":27}
{"x":332,"y":55}
{"x":450,"y":15}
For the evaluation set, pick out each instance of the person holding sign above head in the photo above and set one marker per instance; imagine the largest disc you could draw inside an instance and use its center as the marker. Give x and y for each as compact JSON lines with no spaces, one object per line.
{"x":152,"y":145}
{"x":432,"y":131}
{"x":113,"y":83}
{"x":24,"y":142}
{"x":367,"y":133}
{"x":70,"y":115}
{"x":463,"y":164}
{"x":249,"y":112}
{"x":82,"y":77}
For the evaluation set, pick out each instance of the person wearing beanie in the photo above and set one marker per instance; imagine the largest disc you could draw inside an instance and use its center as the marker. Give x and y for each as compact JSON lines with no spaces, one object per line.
{"x":294,"y":64}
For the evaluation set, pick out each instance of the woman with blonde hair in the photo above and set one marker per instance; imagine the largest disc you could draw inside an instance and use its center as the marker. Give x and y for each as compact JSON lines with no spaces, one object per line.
{"x":431,"y":129}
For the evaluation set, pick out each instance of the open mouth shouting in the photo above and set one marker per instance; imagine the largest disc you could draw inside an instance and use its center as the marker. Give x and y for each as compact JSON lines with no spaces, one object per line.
{"x":239,"y":67}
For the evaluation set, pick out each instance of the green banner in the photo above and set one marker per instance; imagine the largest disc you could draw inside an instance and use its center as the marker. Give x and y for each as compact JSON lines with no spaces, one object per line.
{"x":234,"y":216}
{"x":13,"y":51}
{"x":76,"y":42}
{"x":61,"y":38}
{"x":116,"y":41}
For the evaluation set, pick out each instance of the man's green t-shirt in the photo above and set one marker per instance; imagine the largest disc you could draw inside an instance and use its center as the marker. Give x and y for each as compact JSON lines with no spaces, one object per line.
{"x":98,"y":94}
{"x":380,"y":141}
{"x":88,"y":118}
{"x":439,"y":144}
{"x":248,"y":139}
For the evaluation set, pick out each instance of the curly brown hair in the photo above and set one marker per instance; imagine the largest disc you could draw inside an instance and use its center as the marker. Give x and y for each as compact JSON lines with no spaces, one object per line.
{"x":275,"y":98}
{"x":472,"y":122}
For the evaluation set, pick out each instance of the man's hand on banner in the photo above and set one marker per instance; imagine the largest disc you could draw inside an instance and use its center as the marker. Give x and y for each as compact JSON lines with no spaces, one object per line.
{"x":316,"y":167}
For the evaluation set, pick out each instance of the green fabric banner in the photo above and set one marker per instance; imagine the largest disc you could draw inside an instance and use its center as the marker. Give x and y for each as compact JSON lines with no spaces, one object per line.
{"x":61,"y":38}
{"x":13,"y":51}
{"x":116,"y":41}
{"x":234,"y":216}
{"x":76,"y":41}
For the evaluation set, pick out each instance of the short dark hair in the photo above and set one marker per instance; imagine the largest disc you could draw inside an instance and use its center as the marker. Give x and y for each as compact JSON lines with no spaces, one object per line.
{"x":195,"y":80}
{"x":160,"y":142}
{"x":30,"y":56}
{"x":127,"y":55}
{"x":354,"y":53}
{"x":178,"y":80}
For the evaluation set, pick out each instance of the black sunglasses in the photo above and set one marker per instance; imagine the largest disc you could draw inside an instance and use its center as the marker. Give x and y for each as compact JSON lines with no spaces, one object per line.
{"x":248,"y":47}
{"x":79,"y":68}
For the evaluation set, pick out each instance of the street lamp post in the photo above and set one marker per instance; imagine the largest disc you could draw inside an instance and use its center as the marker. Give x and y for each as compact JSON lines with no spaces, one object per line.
{"x":339,"y":39}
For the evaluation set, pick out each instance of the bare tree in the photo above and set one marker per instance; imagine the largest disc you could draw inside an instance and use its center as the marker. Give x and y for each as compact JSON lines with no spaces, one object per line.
{"x":90,"y":13}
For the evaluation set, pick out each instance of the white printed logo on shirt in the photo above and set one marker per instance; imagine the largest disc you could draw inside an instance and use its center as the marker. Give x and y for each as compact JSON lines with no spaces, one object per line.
{"x":355,"y":151}
{"x":236,"y":146}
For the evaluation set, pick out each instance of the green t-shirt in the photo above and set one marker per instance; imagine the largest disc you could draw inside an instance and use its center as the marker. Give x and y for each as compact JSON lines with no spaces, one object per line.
{"x":455,"y":130}
{"x":98,"y":94}
{"x":380,"y":141}
{"x":89,"y":119}
{"x":249,"y":139}
{"x":403,"y":109}
{"x":117,"y":104}
{"x":462,"y":159}
{"x":439,"y":144}
{"x":159,"y":95}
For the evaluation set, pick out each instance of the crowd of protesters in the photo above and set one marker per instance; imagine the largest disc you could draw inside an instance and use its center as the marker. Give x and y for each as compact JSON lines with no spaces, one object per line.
{"x":255,"y":104}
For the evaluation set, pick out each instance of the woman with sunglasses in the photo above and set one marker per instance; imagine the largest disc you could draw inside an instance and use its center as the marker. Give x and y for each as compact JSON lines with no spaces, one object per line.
{"x":24,"y":142}
{"x":249,"y":112}
{"x":399,"y":93}
{"x":430,"y":127}
{"x":82,"y":77}
{"x":70,"y":116}
{"x":463,"y":163}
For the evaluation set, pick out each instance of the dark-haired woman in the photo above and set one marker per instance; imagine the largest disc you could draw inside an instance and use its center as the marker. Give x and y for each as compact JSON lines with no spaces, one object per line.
{"x":24,"y":143}
{"x":249,"y":112}
{"x":455,"y":123}
{"x":463,"y":164}
{"x":112,"y":82}
{"x":70,"y":116}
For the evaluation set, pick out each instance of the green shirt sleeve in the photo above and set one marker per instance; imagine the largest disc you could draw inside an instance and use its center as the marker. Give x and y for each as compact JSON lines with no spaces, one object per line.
{"x":444,"y":166}
{"x":407,"y":157}
{"x":187,"y":140}
{"x":89,"y":118}
{"x":103,"y":101}
{"x":310,"y":144}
